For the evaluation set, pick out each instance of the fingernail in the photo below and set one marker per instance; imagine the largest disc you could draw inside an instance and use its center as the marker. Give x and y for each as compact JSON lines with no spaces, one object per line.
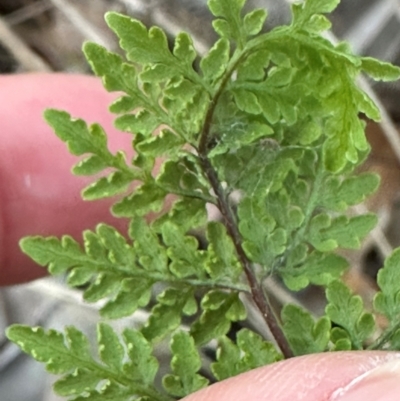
{"x":379,"y":384}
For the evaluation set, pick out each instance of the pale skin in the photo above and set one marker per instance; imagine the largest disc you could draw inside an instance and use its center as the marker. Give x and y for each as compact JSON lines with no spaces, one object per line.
{"x":38,"y":195}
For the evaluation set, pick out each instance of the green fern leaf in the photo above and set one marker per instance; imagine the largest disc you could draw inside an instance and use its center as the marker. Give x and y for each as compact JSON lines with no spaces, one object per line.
{"x":256,"y":352}
{"x":186,"y":215}
{"x":116,"y":75}
{"x":186,"y":258}
{"x":132,"y":294}
{"x":339,"y":194}
{"x":79,"y":138}
{"x":380,"y":70}
{"x":250,"y":352}
{"x":305,"y":11}
{"x":112,"y":185}
{"x":316,"y":268}
{"x":253,"y":22}
{"x":89,"y":166}
{"x":229,"y":362}
{"x":221,"y":253}
{"x":327,"y":234}
{"x":50,"y":347}
{"x":148,"y":197}
{"x":103,"y":286}
{"x":230,"y":24}
{"x":111,"y":350}
{"x":58,"y":255}
{"x":219,"y":310}
{"x":108,"y":392}
{"x":262,"y":242}
{"x":185,"y":364}
{"x":143,"y":122}
{"x":304,"y":334}
{"x":214,"y":64}
{"x":166,"y":315}
{"x":141,"y":46}
{"x":347,"y":311}
{"x":108,"y":263}
{"x":164,"y":144}
{"x":387,"y":301}
{"x":183,"y":178}
{"x":143,"y":365}
{"x":153,"y":255}
{"x":78,"y":382}
{"x":69,"y":355}
{"x":265,"y":127}
{"x":341,"y":339}
{"x":184,"y":49}
{"x":125,"y":104}
{"x":82,"y":139}
{"x":254,"y":67}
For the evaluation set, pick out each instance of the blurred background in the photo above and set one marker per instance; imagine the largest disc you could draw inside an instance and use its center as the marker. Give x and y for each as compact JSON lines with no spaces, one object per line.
{"x":47,"y":36}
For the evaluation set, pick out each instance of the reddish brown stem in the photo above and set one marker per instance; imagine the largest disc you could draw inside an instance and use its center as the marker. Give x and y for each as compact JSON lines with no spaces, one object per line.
{"x":258,"y":295}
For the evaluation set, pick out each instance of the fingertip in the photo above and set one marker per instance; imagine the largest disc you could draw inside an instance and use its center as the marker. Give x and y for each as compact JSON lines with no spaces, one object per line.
{"x":313,"y":377}
{"x":38,"y":193}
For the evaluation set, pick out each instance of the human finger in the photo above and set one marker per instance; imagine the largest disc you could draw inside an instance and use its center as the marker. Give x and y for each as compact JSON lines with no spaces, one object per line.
{"x":339,"y":376}
{"x":38,"y":193}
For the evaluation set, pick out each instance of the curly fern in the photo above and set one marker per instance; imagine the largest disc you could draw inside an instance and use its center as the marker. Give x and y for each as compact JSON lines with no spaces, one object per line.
{"x":265,"y":128}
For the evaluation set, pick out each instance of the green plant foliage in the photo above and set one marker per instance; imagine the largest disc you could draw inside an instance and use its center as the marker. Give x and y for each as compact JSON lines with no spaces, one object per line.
{"x":387,"y":300}
{"x":231,"y":25}
{"x":219,"y":310}
{"x":347,"y":311}
{"x":351,"y":191}
{"x":125,"y":368}
{"x":185,"y":364}
{"x":317,"y":268}
{"x":249,"y":352}
{"x":92,"y":140}
{"x":265,"y":129}
{"x":304,"y":334}
{"x":327,"y":234}
{"x":166,"y":315}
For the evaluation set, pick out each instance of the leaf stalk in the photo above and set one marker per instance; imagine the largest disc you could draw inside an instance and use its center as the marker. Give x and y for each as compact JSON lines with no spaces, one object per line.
{"x":259,"y":296}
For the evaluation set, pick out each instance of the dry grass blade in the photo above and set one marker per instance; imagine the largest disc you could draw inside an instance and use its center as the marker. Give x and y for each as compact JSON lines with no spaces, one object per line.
{"x":28,"y":59}
{"x":88,"y":30}
{"x":29,"y":11}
